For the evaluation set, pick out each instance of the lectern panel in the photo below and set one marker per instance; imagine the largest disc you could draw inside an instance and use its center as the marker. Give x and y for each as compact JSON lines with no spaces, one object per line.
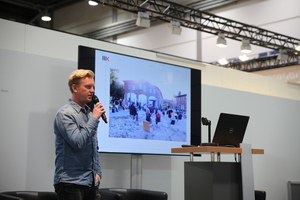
{"x":212,"y":181}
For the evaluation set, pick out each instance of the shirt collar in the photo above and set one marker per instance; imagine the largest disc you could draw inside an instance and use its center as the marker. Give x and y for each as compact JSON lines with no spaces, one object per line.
{"x":79,"y":108}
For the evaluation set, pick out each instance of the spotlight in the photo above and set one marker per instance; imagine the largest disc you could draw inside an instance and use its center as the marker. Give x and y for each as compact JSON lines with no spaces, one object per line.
{"x":93,"y":3}
{"x":143,"y":19}
{"x":223,"y":61}
{"x":243,"y":58}
{"x":221,"y":42}
{"x":298,"y":47}
{"x":282,"y":55}
{"x":175,"y":27}
{"x":245,"y":47}
{"x":46,"y":17}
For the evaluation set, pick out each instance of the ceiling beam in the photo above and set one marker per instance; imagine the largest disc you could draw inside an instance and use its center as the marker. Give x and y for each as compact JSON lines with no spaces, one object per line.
{"x":120,"y":27}
{"x":263,"y":63}
{"x":189,"y":17}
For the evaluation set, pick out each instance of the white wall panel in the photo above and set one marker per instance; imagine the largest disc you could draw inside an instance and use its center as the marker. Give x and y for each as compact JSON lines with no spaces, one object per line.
{"x":12,"y":30}
{"x":60,"y":45}
{"x":158,"y":37}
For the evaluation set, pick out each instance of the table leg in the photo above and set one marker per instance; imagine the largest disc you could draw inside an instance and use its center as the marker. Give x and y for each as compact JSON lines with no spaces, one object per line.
{"x":192,"y":157}
{"x":212,"y":154}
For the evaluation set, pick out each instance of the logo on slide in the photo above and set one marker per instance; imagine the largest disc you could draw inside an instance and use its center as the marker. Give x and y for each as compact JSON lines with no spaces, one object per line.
{"x":105,"y":58}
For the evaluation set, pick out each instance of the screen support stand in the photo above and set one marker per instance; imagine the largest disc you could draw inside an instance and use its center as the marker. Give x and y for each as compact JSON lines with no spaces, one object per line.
{"x":136,"y":171}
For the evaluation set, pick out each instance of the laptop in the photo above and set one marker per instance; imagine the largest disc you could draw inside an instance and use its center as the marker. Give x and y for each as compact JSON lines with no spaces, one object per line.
{"x":230,"y":129}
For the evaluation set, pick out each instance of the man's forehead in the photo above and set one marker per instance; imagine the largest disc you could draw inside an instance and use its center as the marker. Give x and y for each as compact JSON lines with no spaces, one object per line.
{"x":87,"y":80}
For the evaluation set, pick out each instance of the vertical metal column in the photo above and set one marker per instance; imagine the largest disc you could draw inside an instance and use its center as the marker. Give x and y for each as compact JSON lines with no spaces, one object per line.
{"x":247,"y":172}
{"x":199,"y":47}
{"x":114,"y":19}
{"x":191,"y":156}
{"x":219,"y":157}
{"x":136,"y":171}
{"x":212,"y":156}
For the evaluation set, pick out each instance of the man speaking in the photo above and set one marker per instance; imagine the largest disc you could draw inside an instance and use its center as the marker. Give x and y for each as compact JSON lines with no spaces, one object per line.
{"x":77,"y":164}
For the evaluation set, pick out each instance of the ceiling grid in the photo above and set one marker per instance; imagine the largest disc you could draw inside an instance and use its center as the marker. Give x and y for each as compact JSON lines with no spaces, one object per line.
{"x":192,"y":16}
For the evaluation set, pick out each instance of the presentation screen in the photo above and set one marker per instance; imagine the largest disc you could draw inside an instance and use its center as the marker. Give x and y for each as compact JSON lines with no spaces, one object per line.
{"x":150,"y":106}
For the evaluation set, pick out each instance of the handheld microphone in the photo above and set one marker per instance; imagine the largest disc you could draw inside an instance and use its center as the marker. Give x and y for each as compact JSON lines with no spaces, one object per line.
{"x":95,"y":101}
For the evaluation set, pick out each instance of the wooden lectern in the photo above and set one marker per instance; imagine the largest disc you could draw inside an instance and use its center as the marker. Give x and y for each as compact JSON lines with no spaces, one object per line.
{"x":219,"y":180}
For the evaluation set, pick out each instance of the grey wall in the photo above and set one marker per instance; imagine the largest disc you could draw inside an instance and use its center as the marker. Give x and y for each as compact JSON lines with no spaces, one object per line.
{"x":32,"y":87}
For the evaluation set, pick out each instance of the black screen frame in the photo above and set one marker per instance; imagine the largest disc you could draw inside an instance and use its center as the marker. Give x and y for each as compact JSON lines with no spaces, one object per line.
{"x":86,"y":60}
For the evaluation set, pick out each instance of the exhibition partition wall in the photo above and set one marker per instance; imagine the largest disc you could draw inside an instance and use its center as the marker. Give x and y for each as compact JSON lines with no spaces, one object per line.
{"x":34,"y":66}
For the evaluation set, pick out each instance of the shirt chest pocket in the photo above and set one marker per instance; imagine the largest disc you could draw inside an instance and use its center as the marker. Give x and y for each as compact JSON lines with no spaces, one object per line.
{"x":81,"y":126}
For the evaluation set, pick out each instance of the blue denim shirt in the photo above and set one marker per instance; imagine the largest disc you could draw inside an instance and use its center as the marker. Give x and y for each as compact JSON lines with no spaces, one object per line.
{"x":77,"y":158}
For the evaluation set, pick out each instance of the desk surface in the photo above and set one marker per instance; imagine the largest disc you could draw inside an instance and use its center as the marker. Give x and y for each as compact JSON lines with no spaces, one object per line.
{"x":218,"y":149}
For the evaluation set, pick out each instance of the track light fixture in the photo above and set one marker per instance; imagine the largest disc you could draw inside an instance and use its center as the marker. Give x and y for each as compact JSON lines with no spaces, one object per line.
{"x":282,"y":55}
{"x":243,"y":57}
{"x":143,"y":19}
{"x":223,"y":61}
{"x":221,"y":41}
{"x":175,"y":27}
{"x":297,"y":47}
{"x":93,"y":3}
{"x":245,"y":47}
{"x":46,"y":16}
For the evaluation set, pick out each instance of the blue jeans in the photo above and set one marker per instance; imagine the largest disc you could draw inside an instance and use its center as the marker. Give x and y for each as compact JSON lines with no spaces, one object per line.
{"x":68,"y":191}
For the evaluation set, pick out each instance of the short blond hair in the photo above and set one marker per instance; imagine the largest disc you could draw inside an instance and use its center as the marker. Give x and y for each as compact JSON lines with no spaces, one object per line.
{"x":76,"y":76}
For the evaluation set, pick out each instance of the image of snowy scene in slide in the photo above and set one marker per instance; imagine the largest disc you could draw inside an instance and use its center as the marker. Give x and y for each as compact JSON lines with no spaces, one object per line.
{"x":149,"y":105}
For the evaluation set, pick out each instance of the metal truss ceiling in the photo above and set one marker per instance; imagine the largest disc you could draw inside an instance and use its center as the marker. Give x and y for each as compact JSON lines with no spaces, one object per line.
{"x":129,"y":25}
{"x":263,"y":63}
{"x":192,"y":17}
{"x":206,"y":22}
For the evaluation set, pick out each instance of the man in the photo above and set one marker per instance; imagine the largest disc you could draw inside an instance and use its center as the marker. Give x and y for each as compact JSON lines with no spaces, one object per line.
{"x":78,"y":170}
{"x":133,"y":112}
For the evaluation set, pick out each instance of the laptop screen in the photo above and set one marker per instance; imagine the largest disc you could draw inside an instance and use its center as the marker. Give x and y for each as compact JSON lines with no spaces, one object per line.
{"x":230,"y":129}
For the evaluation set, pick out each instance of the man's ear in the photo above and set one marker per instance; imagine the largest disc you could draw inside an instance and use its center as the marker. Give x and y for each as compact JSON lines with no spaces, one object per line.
{"x":74,"y":88}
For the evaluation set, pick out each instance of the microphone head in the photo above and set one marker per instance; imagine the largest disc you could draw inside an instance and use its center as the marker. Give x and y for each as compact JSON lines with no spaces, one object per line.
{"x":95,"y":99}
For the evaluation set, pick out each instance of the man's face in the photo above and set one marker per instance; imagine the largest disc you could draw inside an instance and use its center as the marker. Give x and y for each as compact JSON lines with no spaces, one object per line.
{"x":85,"y":90}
